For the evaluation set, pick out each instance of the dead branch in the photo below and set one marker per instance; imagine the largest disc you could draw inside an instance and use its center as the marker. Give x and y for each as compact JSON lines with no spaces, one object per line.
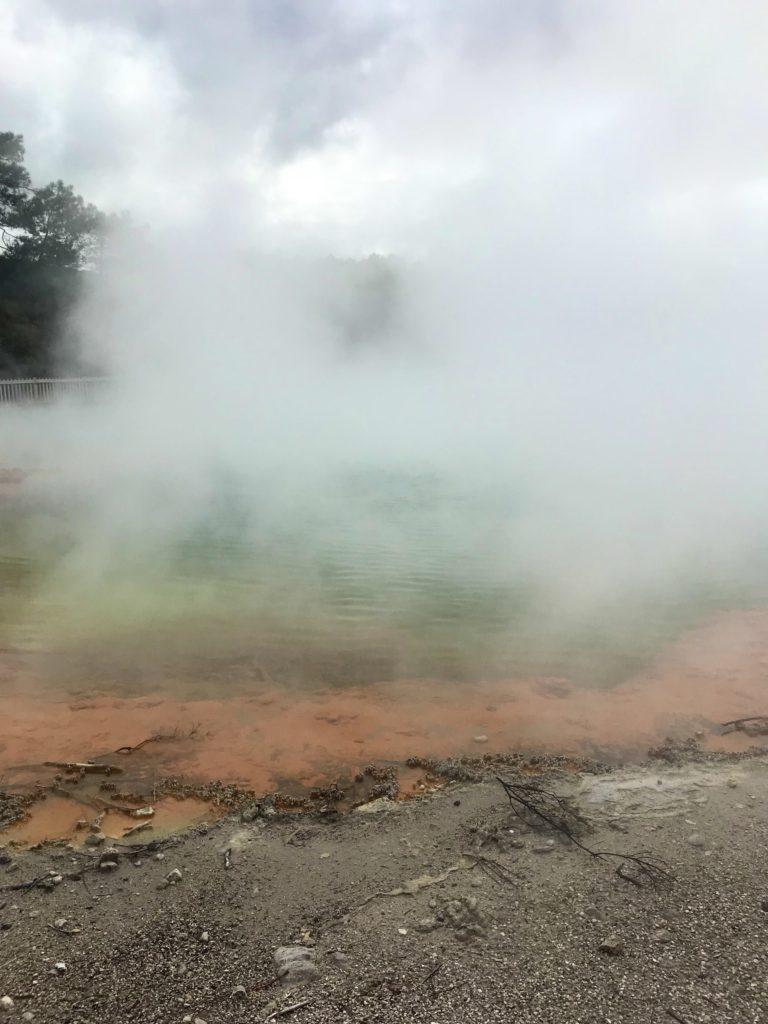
{"x":109,"y":805}
{"x":152,"y":846}
{"x":627,"y":877}
{"x":98,"y":803}
{"x":137,"y":828}
{"x":675,"y":1015}
{"x":138,"y":746}
{"x":175,"y":734}
{"x":431,"y":975}
{"x":738,"y":724}
{"x":18,"y":886}
{"x":84,"y":767}
{"x":74,"y":930}
{"x":286,"y":1010}
{"x":492,"y":868}
{"x":40,"y":880}
{"x":529,"y":800}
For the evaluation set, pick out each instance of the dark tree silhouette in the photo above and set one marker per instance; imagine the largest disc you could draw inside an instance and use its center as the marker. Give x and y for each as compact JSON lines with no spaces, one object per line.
{"x":49,"y":238}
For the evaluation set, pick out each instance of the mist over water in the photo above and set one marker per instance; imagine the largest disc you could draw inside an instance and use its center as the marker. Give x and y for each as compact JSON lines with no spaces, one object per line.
{"x":536,"y":449}
{"x":184,"y":559}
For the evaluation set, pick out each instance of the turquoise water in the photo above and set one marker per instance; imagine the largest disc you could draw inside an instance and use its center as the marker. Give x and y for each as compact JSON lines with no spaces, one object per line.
{"x":379,"y":576}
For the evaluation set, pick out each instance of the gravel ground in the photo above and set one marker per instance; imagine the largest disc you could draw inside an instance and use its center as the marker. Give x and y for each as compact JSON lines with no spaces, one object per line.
{"x":470,"y":944}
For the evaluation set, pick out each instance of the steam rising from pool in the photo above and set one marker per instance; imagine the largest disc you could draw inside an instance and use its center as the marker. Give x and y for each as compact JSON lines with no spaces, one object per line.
{"x":531,"y":440}
{"x":428,"y":503}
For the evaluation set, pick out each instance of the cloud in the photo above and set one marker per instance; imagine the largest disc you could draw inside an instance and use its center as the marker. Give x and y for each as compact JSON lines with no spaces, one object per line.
{"x":355,"y":122}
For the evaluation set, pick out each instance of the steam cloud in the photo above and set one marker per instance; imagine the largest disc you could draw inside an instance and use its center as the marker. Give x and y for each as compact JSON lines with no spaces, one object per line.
{"x":575,"y":203}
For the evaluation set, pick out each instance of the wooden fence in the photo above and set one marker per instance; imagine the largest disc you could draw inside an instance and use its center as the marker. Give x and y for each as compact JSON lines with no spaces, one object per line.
{"x":48,"y":389}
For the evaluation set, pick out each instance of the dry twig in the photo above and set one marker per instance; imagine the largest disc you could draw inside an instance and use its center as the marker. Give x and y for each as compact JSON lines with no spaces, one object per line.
{"x":492,"y":868}
{"x":41,"y":880}
{"x":740,"y":723}
{"x":530,"y":801}
{"x":138,"y":746}
{"x":431,"y":975}
{"x":84,"y":767}
{"x":675,"y":1016}
{"x":19,"y":886}
{"x":286,"y":1010}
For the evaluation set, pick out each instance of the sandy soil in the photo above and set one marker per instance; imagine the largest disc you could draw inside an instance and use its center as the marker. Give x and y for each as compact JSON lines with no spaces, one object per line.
{"x":469,"y":943}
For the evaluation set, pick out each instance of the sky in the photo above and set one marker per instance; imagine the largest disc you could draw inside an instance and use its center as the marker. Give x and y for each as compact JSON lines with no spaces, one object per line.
{"x":366,"y":125}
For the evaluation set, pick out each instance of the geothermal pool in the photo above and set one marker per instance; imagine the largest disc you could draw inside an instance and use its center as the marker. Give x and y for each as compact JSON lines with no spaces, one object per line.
{"x":391,"y":616}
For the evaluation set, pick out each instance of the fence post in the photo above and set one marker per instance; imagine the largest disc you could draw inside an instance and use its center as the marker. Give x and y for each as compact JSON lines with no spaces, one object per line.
{"x":47,"y":389}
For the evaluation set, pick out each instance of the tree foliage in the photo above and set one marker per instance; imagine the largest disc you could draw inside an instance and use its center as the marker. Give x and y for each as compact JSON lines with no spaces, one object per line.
{"x":49,"y":236}
{"x":53,"y":225}
{"x":15,"y":183}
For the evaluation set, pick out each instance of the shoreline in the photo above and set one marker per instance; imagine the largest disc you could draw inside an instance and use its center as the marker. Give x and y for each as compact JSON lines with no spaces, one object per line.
{"x":264,"y":737}
{"x":425,"y":910}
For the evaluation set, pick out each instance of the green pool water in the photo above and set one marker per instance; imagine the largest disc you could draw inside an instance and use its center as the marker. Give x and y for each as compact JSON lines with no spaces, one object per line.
{"x":375,"y":576}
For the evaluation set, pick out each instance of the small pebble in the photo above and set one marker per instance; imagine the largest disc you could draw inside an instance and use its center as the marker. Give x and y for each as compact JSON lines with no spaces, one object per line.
{"x":696,"y":840}
{"x":613,"y":945}
{"x":546,"y":847}
{"x":402,"y":931}
{"x":60,"y":967}
{"x":480,"y":739}
{"x":6,"y":1004}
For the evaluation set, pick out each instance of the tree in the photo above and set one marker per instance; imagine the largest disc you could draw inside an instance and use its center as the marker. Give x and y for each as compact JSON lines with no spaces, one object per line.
{"x":51,"y":225}
{"x":54,"y":226}
{"x":49,"y":238}
{"x":15,"y":183}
